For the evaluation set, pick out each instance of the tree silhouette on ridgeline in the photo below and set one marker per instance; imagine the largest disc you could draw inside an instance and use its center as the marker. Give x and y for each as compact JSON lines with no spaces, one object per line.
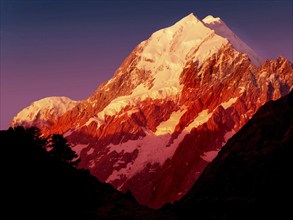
{"x":61,"y":150}
{"x":40,"y":181}
{"x":30,"y":142}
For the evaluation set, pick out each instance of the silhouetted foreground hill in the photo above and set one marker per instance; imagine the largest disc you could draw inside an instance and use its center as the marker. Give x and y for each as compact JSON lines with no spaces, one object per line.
{"x":36,"y":185}
{"x":251,"y":178}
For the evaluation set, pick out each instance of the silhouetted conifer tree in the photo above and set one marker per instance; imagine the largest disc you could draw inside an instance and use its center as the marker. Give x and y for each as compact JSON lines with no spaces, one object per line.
{"x":61,"y":150}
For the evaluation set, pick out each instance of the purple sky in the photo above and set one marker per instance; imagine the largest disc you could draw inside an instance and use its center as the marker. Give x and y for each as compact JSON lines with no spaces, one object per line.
{"x":68,"y":48}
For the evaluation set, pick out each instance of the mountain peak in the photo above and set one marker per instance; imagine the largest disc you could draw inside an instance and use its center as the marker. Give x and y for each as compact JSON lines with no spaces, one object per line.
{"x":150,"y":122}
{"x":43,"y":112}
{"x":189,"y":18}
{"x":211,"y":20}
{"x":221,"y":29}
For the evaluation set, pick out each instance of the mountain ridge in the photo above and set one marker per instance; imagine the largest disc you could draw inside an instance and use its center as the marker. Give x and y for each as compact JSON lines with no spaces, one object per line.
{"x":250,"y":177}
{"x":169,"y":108}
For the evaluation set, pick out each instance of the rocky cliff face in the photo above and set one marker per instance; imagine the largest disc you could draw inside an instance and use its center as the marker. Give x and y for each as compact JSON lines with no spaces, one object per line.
{"x":251,"y":176}
{"x":170,"y":107}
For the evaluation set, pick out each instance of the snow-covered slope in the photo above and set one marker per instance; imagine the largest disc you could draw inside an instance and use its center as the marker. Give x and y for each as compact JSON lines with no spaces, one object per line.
{"x":221,"y":29}
{"x":170,"y":107}
{"x":44,"y":112}
{"x":165,"y":54}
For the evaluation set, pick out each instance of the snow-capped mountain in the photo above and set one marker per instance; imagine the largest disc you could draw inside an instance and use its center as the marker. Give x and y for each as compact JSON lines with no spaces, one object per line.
{"x":170,"y":107}
{"x":44,"y":112}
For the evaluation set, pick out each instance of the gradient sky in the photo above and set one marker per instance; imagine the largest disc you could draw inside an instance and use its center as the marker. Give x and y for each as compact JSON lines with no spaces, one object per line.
{"x":68,"y":48}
